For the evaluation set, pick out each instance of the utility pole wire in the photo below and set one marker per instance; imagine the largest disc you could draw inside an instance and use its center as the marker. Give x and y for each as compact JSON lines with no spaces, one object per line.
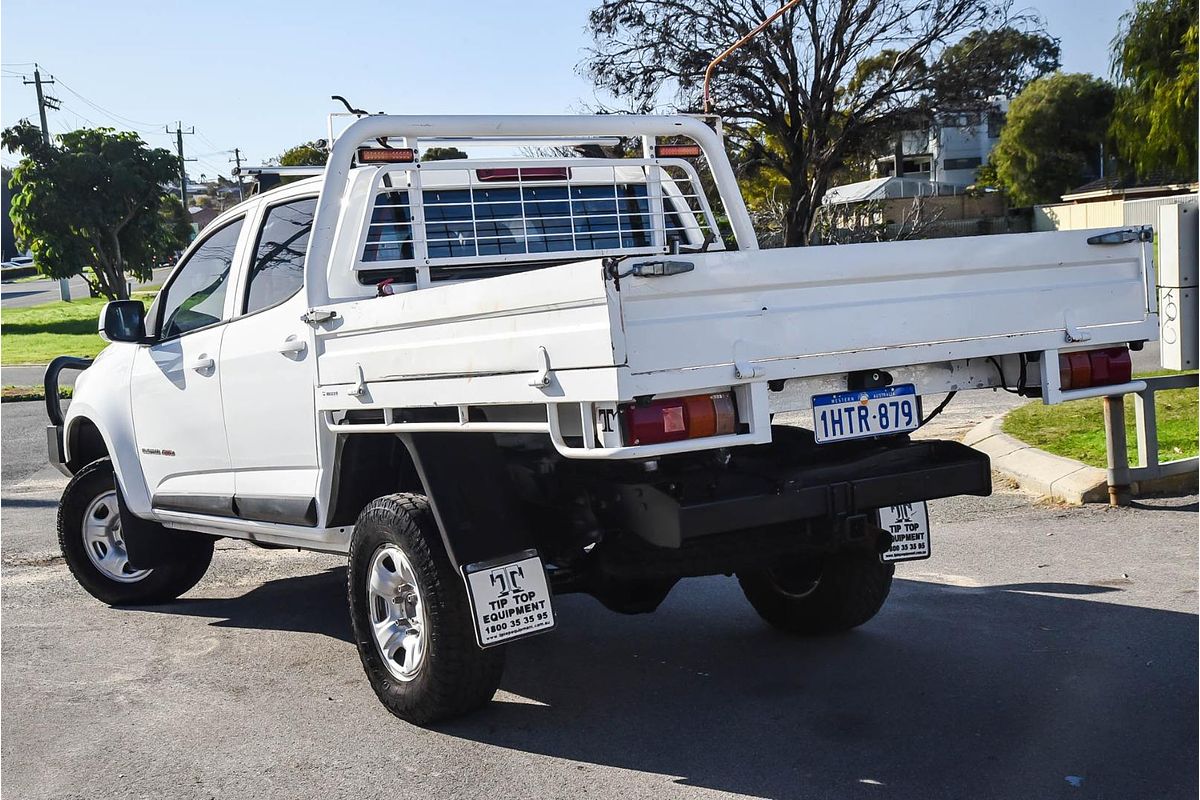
{"x":42,"y":100}
{"x":237,"y":157}
{"x":179,"y":132}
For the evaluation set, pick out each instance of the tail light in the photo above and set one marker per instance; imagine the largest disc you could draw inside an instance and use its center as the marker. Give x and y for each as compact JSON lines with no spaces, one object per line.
{"x":1105,"y":367}
{"x":679,"y":418}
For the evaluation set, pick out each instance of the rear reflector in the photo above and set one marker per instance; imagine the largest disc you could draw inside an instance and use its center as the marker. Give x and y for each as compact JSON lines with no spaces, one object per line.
{"x":679,"y":418}
{"x":677,"y":150}
{"x":389,"y":155}
{"x":1088,"y":368}
{"x":524,"y":174}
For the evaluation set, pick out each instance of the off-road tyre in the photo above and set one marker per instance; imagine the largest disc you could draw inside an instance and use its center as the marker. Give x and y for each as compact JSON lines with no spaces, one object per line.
{"x":174,"y":572}
{"x":849,"y":589}
{"x":455,"y":676}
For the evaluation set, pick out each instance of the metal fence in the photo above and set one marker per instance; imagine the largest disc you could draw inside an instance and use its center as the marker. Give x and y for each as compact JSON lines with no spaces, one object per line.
{"x":1121,"y":476}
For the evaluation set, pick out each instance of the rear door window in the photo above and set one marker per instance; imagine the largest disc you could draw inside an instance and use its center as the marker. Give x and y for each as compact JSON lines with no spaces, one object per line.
{"x":277,"y":271}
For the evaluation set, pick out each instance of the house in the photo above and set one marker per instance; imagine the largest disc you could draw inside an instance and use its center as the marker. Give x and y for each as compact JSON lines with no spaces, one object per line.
{"x":951,"y":149}
{"x":1114,"y":202}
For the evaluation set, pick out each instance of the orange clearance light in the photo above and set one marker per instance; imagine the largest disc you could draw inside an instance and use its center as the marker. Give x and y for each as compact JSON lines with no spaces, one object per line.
{"x":677,"y":150}
{"x":388,"y":155}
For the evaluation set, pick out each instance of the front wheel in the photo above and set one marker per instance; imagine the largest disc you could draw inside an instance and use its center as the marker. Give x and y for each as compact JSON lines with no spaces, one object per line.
{"x":93,"y":545}
{"x":831,"y":595}
{"x":411,"y":617}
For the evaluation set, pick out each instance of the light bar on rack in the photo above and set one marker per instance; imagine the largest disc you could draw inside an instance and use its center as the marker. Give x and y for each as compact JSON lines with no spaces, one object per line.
{"x":524,"y":174}
{"x":388,"y":155}
{"x":677,"y":151}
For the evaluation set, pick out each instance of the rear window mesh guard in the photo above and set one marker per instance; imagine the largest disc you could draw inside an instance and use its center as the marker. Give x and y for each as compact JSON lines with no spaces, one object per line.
{"x":440,"y":221}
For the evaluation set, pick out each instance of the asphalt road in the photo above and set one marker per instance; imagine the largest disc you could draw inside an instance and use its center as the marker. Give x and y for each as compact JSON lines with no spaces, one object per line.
{"x":32,"y":293}
{"x":1042,"y":652}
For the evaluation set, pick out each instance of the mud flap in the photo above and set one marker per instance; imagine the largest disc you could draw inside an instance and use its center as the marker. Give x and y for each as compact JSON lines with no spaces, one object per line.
{"x":465,"y":478}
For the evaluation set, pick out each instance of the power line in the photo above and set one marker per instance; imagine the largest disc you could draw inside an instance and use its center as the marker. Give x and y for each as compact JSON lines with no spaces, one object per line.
{"x":141,"y":127}
{"x":211,"y":143}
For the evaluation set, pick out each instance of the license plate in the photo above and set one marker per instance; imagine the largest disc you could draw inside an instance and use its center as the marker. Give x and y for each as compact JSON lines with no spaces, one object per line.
{"x":908,"y":523}
{"x":870,"y":412}
{"x":510,"y":598}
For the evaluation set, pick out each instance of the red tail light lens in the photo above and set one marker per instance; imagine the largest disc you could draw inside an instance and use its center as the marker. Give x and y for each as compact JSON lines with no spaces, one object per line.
{"x":1106,"y":367}
{"x":679,"y":418}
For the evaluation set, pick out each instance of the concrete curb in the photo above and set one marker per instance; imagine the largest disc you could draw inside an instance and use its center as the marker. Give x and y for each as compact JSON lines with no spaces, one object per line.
{"x":1036,"y":471}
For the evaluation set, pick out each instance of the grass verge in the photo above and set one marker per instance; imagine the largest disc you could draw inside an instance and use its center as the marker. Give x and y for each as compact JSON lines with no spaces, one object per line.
{"x":1076,"y":429}
{"x":19,"y":394}
{"x":36,"y":334}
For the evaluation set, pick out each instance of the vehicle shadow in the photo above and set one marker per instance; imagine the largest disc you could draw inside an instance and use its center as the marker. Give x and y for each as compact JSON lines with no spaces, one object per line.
{"x":1018,"y":691}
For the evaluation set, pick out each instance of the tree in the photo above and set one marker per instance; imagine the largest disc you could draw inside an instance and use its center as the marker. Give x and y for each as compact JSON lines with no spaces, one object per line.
{"x":1052,"y":139}
{"x":309,"y":154}
{"x":93,"y":201}
{"x":1154,"y":61}
{"x":986,"y":63}
{"x":442,"y":154}
{"x":827,"y":81}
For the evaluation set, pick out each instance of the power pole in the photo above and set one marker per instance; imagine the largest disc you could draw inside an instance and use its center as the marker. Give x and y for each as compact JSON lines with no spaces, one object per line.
{"x":237,"y":158}
{"x":42,"y":100}
{"x":179,"y":132}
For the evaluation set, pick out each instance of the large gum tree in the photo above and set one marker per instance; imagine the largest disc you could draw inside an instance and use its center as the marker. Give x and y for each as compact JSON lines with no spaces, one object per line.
{"x":824,"y":83}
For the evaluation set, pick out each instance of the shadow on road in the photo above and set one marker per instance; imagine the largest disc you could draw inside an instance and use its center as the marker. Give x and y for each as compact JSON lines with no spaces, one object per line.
{"x":1004,"y":691}
{"x":11,"y":295}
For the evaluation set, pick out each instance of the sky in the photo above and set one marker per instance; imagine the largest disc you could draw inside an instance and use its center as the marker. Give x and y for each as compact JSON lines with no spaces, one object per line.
{"x":257,"y":74}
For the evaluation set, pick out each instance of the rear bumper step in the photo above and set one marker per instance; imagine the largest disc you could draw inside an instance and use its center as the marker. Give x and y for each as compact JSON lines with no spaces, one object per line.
{"x":915,"y":471}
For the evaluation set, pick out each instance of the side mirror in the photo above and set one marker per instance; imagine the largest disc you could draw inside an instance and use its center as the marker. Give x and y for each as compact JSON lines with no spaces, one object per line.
{"x":123,"y":321}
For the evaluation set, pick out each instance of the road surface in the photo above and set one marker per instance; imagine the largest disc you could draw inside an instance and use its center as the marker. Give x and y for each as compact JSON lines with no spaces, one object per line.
{"x":31,"y":293}
{"x":1042,"y":652}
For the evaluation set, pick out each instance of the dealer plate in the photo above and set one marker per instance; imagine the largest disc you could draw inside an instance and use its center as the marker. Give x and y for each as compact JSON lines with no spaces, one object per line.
{"x":869,"y":412}
{"x":908,"y":524}
{"x":510,"y":598}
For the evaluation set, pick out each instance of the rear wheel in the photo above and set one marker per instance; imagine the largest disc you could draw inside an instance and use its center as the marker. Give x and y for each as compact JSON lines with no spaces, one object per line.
{"x":832,"y":595}
{"x":93,"y":545}
{"x":411,"y":617}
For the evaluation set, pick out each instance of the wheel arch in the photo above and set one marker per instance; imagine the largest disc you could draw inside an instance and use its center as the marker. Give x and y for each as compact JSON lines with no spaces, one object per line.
{"x":463,"y":475}
{"x":89,"y":433}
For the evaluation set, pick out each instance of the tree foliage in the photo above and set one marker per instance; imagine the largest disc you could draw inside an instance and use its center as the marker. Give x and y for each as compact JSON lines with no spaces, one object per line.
{"x":1052,"y":139}
{"x":94,"y":201}
{"x":987,"y":63}
{"x":309,"y":154}
{"x":442,"y":154}
{"x":824,"y":83}
{"x":1154,"y":61}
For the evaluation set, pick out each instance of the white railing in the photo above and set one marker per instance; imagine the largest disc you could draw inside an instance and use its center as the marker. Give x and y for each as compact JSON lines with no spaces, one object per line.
{"x":1121,"y":476}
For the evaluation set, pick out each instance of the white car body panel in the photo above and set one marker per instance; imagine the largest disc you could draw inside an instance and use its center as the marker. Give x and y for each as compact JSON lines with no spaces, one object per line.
{"x":548,"y":349}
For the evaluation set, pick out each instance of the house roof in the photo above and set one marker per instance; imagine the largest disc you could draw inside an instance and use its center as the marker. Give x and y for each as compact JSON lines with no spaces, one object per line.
{"x":1154,"y":184}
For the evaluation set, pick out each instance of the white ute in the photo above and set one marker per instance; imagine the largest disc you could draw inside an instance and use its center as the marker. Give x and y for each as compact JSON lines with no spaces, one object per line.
{"x":491,"y":381}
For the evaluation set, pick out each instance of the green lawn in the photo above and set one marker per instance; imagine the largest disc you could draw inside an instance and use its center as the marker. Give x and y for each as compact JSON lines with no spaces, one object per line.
{"x":36,"y":334}
{"x":1076,"y":429}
